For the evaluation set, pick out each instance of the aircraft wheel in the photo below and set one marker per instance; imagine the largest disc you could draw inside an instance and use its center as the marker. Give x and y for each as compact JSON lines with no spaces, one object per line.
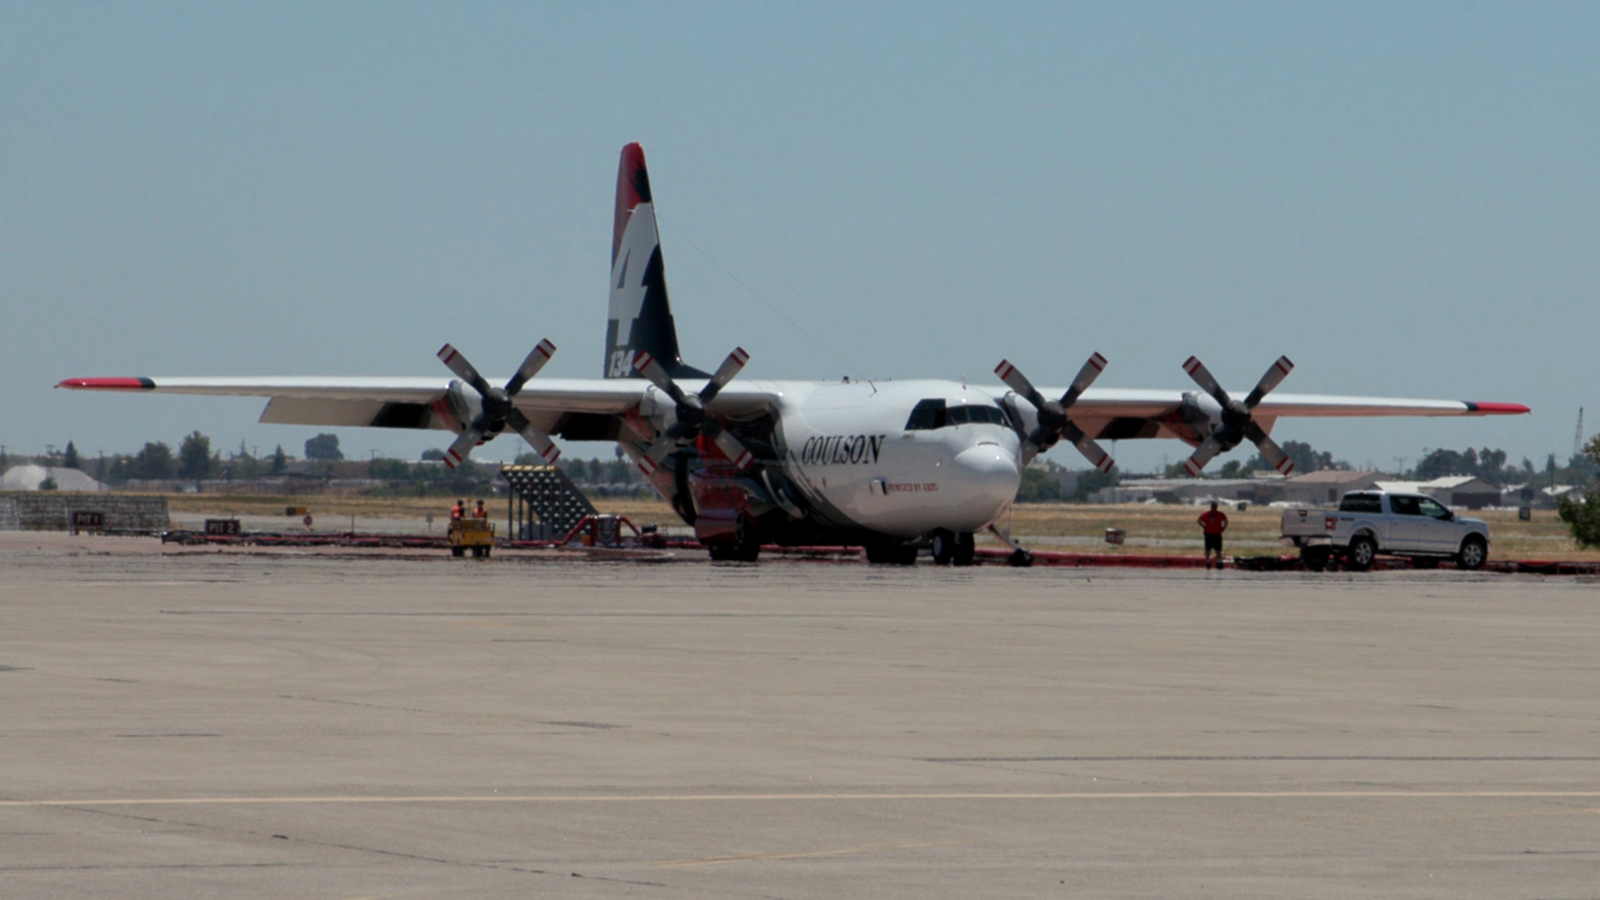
{"x":966,"y":549}
{"x":1020,"y":559}
{"x":944,"y":547}
{"x":1363,"y":551}
{"x":1474,"y":553}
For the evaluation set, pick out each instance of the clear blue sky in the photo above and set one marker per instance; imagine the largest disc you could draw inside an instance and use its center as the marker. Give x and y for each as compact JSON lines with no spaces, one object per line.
{"x":1402,"y":198}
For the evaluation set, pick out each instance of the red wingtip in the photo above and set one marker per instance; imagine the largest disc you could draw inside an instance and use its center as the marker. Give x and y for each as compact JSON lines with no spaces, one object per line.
{"x":107,"y":384}
{"x":1499,"y":409}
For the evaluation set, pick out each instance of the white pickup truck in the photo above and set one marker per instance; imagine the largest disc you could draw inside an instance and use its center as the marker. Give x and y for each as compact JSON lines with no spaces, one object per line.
{"x":1371,"y":522}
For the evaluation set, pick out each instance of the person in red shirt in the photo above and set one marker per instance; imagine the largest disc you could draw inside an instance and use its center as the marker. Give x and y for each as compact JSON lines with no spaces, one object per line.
{"x":1214,"y":523}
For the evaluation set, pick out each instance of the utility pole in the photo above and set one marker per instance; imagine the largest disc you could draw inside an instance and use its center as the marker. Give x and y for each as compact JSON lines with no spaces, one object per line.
{"x":1400,"y":465}
{"x":1577,"y":436}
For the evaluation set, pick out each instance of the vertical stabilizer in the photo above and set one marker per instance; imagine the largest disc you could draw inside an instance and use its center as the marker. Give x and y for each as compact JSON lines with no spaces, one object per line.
{"x":640,"y":317}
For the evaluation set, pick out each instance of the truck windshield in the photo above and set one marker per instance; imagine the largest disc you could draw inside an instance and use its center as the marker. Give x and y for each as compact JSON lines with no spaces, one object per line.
{"x":1361,"y":503}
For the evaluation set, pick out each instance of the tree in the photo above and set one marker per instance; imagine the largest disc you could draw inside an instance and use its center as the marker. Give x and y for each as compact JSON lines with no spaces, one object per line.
{"x":194,"y":456}
{"x":154,"y":461}
{"x":280,"y":463}
{"x":1094,"y":480}
{"x":70,"y":458}
{"x":324,"y":446}
{"x":1038,"y":486}
{"x":1583,"y":516}
{"x":1304,"y":457}
{"x":389,"y":469}
{"x":49,"y":483}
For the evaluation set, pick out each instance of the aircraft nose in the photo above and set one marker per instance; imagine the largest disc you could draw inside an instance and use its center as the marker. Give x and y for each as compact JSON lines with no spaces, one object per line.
{"x":988,"y":477}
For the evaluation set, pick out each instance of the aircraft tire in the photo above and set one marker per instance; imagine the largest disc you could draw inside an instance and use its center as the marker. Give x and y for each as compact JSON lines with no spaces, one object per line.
{"x":966,"y":549}
{"x":1020,"y":559}
{"x":944,"y":547}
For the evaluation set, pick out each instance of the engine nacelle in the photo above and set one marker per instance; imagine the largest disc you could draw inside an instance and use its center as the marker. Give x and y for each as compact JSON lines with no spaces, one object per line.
{"x":1199,"y":415}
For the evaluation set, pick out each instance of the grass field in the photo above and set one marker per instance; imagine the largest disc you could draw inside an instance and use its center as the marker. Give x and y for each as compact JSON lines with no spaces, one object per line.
{"x":1062,"y":526}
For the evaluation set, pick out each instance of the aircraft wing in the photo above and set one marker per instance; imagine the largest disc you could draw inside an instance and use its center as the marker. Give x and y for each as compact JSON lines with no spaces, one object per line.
{"x":1125,"y":414}
{"x":555,"y":404}
{"x":582,"y":409}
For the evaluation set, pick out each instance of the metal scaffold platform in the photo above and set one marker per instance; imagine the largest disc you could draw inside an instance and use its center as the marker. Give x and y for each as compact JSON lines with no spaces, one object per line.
{"x":544,"y":503}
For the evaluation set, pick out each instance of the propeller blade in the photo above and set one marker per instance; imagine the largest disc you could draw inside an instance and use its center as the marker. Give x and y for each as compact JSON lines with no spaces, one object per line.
{"x":458,"y":364}
{"x":1274,"y":377}
{"x":1202,"y":376}
{"x":537,"y":357}
{"x":731,"y":448}
{"x":730,"y":367}
{"x":1086,"y":376}
{"x":1202,"y":455}
{"x":537,"y":439}
{"x":457,"y":454}
{"x":1019,"y":382}
{"x":663,"y":446}
{"x":1270,"y":451}
{"x":1093,"y":452}
{"x":649,"y":368}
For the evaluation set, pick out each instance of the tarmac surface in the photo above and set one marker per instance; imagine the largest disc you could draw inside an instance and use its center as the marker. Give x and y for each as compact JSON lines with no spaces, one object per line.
{"x":195,"y":723}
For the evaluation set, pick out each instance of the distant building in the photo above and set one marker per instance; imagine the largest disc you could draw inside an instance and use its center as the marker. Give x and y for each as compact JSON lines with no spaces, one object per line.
{"x":1465,"y":491}
{"x":1324,"y":488}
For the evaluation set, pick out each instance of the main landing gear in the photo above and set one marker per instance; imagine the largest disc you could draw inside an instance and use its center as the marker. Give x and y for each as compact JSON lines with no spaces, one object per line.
{"x":954,"y":549}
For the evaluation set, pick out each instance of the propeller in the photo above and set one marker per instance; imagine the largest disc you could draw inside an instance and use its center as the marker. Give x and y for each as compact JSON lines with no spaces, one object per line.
{"x":1053,"y":421}
{"x":1238,"y":421}
{"x":498,"y":410}
{"x":691,"y":420}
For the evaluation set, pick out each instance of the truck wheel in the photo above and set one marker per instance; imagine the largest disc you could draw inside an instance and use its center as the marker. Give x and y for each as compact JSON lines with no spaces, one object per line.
{"x":1474,"y":553}
{"x":1362,"y":553}
{"x":458,"y":551}
{"x":1315,"y":559}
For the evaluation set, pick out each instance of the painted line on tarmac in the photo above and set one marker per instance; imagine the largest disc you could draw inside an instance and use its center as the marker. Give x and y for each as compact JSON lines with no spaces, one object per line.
{"x":834,"y":797}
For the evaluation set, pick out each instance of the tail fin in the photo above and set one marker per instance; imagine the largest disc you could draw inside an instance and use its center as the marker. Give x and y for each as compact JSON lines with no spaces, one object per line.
{"x":641,"y":317}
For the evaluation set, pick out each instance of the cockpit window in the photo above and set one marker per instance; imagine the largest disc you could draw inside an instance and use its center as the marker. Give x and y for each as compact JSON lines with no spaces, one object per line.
{"x":976,"y":415}
{"x":928,"y":415}
{"x":936,"y":413}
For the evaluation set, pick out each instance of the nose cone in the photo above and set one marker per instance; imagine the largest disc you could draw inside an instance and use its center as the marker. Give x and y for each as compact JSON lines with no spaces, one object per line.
{"x":983,"y":479}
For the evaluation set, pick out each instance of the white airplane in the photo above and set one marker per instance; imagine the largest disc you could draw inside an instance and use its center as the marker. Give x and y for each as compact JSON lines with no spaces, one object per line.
{"x":889,"y":465}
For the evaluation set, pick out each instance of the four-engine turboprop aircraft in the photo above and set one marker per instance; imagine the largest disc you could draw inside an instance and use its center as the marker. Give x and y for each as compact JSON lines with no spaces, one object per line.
{"x":889,"y":465}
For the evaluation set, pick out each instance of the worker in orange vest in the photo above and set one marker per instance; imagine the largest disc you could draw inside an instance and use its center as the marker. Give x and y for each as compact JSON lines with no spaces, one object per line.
{"x":480,"y":512}
{"x":1213,"y":523}
{"x":457,"y":511}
